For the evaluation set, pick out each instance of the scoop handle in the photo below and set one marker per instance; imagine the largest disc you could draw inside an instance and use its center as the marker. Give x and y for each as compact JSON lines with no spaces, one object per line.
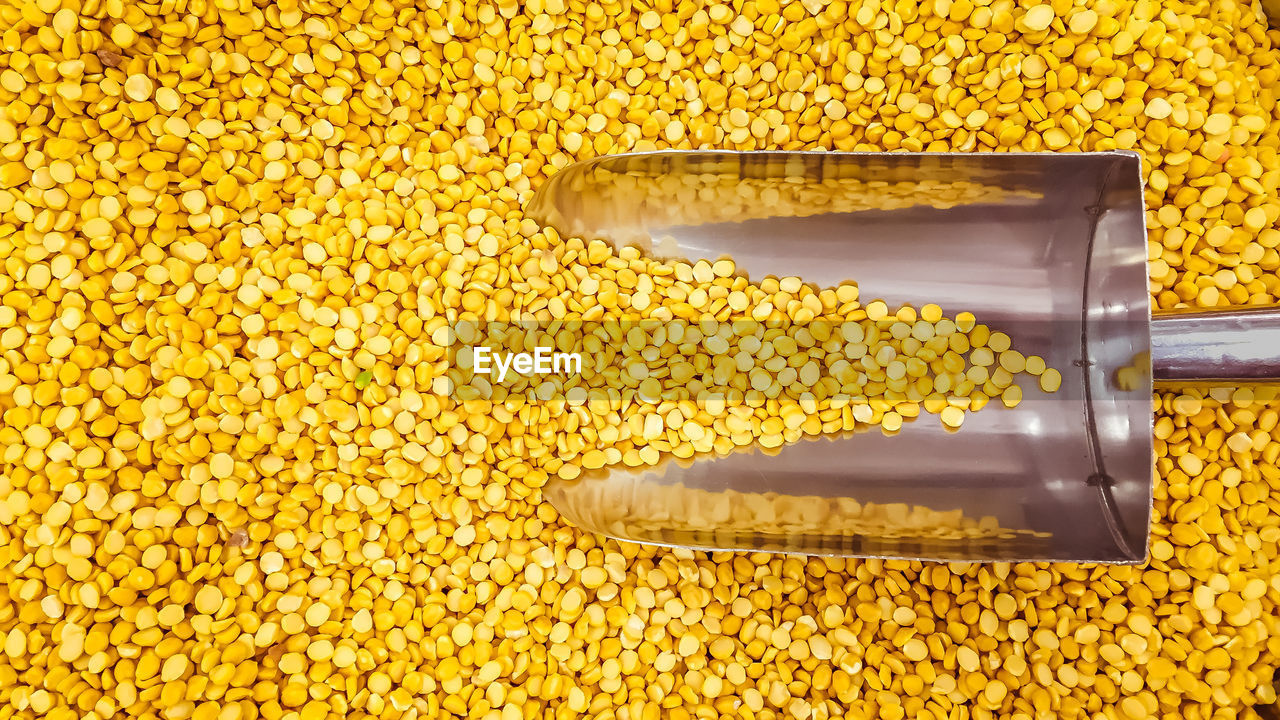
{"x":1240,"y":345}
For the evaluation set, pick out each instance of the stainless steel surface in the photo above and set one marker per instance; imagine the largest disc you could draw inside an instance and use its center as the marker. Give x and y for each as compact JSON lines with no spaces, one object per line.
{"x":1216,"y":346}
{"x":1271,"y":8}
{"x":1049,"y":247}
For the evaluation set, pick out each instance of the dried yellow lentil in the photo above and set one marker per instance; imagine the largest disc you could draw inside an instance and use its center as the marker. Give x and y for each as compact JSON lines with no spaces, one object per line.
{"x":231,"y":231}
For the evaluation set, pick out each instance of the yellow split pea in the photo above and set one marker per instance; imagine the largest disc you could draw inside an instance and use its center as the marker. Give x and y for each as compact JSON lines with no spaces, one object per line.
{"x":706,"y":375}
{"x":231,"y":235}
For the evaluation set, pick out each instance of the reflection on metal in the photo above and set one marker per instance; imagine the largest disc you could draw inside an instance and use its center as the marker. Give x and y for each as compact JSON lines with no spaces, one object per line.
{"x":1271,"y":8}
{"x":745,"y":516}
{"x":1052,"y":246}
{"x":1217,"y":346}
{"x":626,"y":198}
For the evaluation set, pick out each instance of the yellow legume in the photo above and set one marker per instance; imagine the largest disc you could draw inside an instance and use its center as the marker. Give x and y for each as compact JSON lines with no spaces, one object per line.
{"x":952,"y":416}
{"x":1050,"y":380}
{"x":233,"y":233}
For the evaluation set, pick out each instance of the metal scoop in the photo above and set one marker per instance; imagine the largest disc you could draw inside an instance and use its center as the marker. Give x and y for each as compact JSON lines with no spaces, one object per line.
{"x":1050,"y":248}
